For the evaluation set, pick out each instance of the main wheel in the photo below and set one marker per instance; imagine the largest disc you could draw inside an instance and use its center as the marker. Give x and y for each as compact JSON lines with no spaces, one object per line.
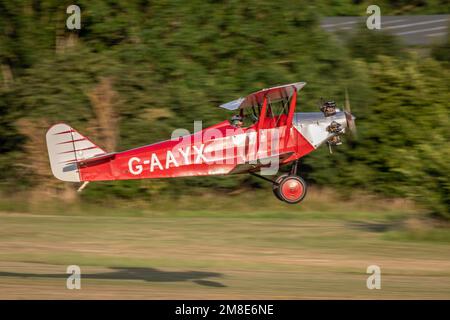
{"x":276,"y":186}
{"x":292,"y":189}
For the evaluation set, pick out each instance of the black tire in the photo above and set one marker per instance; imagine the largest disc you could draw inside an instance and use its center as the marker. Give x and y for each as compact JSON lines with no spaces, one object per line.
{"x":276,"y":186}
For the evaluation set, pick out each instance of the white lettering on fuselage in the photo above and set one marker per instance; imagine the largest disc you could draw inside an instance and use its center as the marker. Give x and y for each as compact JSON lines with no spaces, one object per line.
{"x":136,"y":164}
{"x":155,"y":161}
{"x":170,"y":159}
{"x":137,"y":169}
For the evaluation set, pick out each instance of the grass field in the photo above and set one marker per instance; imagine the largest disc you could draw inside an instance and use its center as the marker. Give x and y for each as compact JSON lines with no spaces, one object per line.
{"x":273,"y":252}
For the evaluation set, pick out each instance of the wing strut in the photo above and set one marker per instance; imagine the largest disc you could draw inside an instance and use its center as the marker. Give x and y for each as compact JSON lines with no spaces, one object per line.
{"x":291,"y":110}
{"x":264,"y":178}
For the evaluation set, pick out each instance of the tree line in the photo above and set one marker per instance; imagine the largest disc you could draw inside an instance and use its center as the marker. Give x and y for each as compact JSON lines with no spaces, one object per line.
{"x":137,"y":70}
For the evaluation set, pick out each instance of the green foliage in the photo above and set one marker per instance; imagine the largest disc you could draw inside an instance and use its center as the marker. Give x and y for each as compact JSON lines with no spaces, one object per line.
{"x":403,"y":139}
{"x":441,"y":52}
{"x":388,"y":7}
{"x":172,"y":63}
{"x":368,"y":44}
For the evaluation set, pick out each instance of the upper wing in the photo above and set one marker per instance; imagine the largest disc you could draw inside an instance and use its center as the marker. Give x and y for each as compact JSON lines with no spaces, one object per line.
{"x":274,"y":94}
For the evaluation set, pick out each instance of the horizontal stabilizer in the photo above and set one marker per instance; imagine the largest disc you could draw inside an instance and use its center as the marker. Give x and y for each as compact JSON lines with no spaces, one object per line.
{"x":96,"y":159}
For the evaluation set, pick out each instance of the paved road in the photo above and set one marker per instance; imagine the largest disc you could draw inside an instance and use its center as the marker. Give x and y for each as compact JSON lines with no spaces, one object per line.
{"x":414,"y":30}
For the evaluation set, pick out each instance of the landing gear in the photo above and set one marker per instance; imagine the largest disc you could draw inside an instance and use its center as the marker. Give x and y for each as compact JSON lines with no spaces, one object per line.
{"x":288,"y":187}
{"x":276,"y":186}
{"x":291,"y":189}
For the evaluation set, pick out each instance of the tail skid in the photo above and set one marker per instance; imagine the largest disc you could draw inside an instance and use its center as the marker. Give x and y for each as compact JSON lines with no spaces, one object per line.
{"x":66,"y":148}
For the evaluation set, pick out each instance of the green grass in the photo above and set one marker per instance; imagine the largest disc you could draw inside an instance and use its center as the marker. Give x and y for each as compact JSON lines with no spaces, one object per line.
{"x":209,"y":254}
{"x":436,"y":235}
{"x":245,"y":245}
{"x":249,"y":204}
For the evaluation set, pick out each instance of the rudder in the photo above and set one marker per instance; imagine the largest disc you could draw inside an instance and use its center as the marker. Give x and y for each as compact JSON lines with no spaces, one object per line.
{"x":66,"y":147}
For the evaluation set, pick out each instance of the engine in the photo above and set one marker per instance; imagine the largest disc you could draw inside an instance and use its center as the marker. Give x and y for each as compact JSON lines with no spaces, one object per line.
{"x":328,"y":108}
{"x":325,"y":126}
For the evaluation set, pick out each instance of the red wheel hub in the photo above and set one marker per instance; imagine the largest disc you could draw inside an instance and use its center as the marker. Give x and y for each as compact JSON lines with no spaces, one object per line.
{"x":292,"y":189}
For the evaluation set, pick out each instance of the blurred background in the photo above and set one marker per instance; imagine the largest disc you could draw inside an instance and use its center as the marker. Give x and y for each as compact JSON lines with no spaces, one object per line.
{"x":137,"y":70}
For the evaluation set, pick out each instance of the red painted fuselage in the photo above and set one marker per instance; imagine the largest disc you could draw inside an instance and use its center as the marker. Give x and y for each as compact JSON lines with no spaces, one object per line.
{"x":217,"y":150}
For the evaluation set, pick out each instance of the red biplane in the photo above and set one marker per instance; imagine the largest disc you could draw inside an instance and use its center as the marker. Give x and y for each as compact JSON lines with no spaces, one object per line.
{"x":264,"y":134}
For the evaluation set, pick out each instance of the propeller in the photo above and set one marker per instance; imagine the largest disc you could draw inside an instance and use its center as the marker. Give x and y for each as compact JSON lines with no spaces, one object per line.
{"x":329,"y":109}
{"x":349,"y":117}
